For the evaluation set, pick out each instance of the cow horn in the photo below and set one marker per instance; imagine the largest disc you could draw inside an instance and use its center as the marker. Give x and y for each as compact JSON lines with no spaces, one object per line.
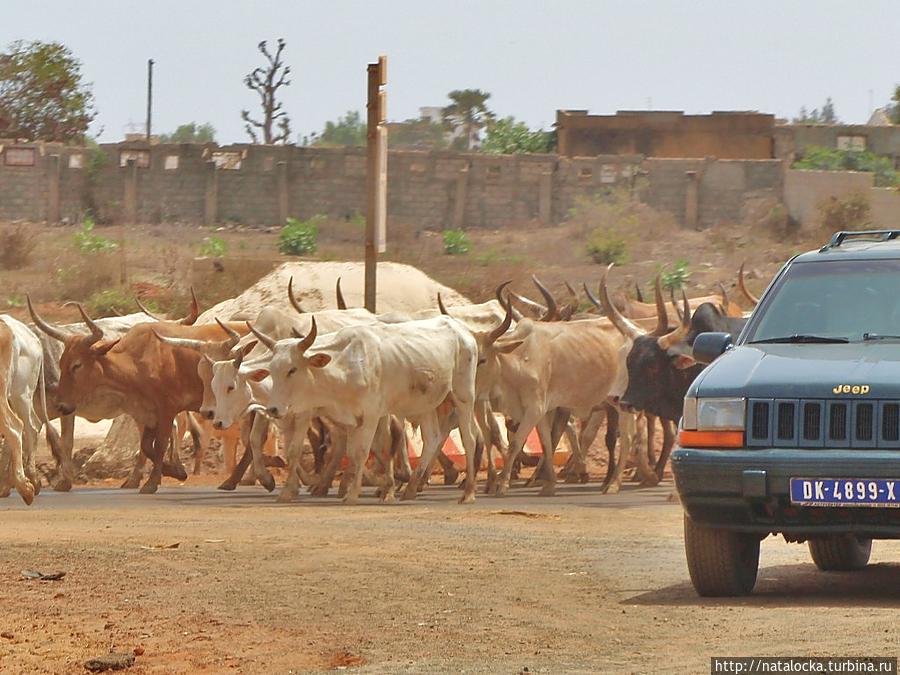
{"x":262,"y":337}
{"x":495,"y":334}
{"x":552,"y":313}
{"x":96,"y":332}
{"x":307,"y":342}
{"x":662,"y":315}
{"x":667,"y":341}
{"x":201,"y":346}
{"x":55,"y":332}
{"x":191,"y":318}
{"x":233,"y":336}
{"x":623,"y":325}
{"x":341,"y":303}
{"x":246,"y":349}
{"x":537,"y":308}
{"x":725,"y":303}
{"x":441,"y":305}
{"x":571,"y":291}
{"x":638,"y":293}
{"x":155,"y":317}
{"x":566,"y":313}
{"x":742,"y":287}
{"x":292,"y":298}
{"x":498,"y":292}
{"x":675,"y":303}
{"x":507,"y":303}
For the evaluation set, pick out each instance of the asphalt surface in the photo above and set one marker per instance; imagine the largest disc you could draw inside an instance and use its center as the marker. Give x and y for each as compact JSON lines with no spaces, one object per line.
{"x":584,"y":496}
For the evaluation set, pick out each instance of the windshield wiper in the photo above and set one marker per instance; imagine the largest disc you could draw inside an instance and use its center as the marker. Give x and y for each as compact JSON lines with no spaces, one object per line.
{"x":801,"y":339}
{"x":867,"y":337}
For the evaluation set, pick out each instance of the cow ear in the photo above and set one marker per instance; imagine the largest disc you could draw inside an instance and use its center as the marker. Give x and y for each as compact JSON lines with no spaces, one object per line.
{"x":683,"y":361}
{"x":101,"y":348}
{"x":258,"y":375}
{"x":507,"y":347}
{"x":319,"y":360}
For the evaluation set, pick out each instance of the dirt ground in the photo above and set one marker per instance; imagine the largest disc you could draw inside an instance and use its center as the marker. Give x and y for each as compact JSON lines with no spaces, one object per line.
{"x":576,"y":583}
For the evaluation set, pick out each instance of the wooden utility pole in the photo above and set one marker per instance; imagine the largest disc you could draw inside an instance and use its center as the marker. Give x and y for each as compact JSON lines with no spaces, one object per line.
{"x":376,"y":175}
{"x":149,"y":96}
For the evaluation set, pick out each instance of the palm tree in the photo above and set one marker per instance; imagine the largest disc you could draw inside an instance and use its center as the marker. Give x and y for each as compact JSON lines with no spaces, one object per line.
{"x":467,"y":112}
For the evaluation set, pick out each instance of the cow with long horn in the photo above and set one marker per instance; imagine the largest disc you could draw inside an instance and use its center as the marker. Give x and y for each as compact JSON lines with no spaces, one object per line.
{"x":742,"y":287}
{"x":341,"y":303}
{"x":188,"y":320}
{"x":552,"y":313}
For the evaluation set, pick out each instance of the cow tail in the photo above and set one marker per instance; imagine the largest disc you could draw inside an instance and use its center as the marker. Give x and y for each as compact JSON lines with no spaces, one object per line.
{"x":53,"y":439}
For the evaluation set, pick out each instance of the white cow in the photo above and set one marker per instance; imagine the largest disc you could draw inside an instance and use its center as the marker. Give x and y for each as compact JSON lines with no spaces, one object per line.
{"x":21,"y":377}
{"x":360,"y":375}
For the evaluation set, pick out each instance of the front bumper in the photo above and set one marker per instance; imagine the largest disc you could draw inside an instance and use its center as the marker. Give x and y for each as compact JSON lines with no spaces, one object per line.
{"x":748,"y":490}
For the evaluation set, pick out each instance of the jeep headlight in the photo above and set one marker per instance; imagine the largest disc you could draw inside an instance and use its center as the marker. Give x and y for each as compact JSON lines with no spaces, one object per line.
{"x":714,"y":414}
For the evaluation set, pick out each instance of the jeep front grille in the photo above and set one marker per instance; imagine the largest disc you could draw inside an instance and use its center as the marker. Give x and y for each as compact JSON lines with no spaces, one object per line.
{"x":814,"y":423}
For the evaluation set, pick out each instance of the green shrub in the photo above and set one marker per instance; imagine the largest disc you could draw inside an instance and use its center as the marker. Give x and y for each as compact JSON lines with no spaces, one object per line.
{"x":300,"y":237}
{"x":606,"y":246}
{"x":848,"y":213}
{"x":213,"y":247}
{"x":832,"y":159}
{"x":456,"y":242}
{"x":113,"y":302}
{"x":88,"y":242}
{"x":676,"y":277}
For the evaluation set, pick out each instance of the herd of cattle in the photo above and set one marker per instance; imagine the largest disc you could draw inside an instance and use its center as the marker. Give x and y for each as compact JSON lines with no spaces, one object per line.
{"x":346,"y":382}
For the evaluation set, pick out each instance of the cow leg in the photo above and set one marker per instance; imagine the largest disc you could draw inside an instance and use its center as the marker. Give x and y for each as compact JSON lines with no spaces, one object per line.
{"x":384,"y":452}
{"x":12,"y":427}
{"x":651,"y":440}
{"x":668,"y":442}
{"x":234,"y":478}
{"x":293,"y":429}
{"x":489,"y":430}
{"x":400,"y":447}
{"x":254,"y":436}
{"x":61,"y":446}
{"x":30,"y":434}
{"x":471,"y":437}
{"x":643,"y":471}
{"x":432,"y":439}
{"x":133,"y":482}
{"x":200,"y":439}
{"x":154,"y":443}
{"x":338,"y":452}
{"x":451,"y":473}
{"x":627,"y":426}
{"x":548,"y":475}
{"x":320,"y":446}
{"x":5,"y":483}
{"x":516,"y":443}
{"x":612,"y":432}
{"x":359,"y":442}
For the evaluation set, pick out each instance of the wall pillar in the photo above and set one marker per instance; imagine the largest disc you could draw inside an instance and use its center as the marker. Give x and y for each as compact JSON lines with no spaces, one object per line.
{"x":130,"y":200}
{"x":545,"y":198}
{"x":53,"y":162}
{"x":283,"y":197}
{"x":692,"y":200}
{"x":459,"y":204}
{"x":211,"y":195}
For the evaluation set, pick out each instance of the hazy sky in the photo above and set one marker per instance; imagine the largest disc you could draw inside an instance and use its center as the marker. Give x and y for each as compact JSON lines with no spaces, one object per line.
{"x":534,"y":57}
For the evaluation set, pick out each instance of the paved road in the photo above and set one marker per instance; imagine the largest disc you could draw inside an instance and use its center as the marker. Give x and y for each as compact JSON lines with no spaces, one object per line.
{"x":586,"y":496}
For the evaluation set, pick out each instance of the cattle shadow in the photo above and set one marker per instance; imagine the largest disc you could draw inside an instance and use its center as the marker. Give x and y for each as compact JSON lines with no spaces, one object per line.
{"x":796,"y":585}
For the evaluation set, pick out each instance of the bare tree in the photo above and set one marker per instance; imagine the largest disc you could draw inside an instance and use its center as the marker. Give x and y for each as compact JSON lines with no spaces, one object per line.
{"x":266,"y":81}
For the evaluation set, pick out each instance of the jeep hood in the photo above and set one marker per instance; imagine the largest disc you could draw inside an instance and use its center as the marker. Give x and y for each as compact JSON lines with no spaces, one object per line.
{"x":802,"y":371}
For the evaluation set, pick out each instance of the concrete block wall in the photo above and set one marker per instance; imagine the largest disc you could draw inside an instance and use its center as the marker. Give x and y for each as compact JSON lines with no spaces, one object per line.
{"x":804,"y":191}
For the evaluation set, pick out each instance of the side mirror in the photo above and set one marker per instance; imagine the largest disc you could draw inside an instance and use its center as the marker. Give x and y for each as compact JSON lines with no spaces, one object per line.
{"x":710,"y":346}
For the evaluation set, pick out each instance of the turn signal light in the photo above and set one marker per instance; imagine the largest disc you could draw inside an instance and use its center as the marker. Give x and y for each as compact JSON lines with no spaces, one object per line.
{"x":711,"y":439}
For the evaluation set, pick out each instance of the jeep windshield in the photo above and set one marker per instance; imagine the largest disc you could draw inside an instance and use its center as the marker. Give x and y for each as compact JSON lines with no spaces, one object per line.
{"x":831,"y":302}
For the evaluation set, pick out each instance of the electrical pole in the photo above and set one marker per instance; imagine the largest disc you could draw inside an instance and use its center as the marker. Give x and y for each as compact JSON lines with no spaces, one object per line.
{"x":149,"y":96}
{"x":376,"y":175}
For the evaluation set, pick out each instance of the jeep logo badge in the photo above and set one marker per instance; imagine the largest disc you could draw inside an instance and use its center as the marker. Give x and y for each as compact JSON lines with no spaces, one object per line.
{"x":851,"y":389}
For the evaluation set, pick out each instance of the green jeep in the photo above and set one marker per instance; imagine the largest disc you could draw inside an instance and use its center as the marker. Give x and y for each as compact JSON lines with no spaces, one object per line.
{"x":795,"y":428}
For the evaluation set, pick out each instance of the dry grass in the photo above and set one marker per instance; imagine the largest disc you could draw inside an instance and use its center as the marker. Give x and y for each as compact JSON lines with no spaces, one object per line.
{"x":17,"y":243}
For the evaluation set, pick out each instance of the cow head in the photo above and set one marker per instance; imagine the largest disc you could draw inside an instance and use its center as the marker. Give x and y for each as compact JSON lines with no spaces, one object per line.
{"x":292,"y":368}
{"x":494,"y":345}
{"x":82,"y":362}
{"x":230,"y":388}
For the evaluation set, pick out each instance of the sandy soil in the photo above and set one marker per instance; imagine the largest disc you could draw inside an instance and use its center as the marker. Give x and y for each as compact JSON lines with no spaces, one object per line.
{"x":576,"y":583}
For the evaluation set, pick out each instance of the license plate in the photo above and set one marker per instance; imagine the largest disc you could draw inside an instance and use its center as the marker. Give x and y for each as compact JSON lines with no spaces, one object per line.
{"x":877,"y":492}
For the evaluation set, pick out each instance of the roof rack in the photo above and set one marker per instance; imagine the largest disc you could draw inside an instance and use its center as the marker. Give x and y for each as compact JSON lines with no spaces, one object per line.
{"x":839,"y":238}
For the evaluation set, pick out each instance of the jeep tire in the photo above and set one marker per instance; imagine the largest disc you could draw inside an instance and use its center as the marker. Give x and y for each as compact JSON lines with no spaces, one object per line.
{"x":721,"y":562}
{"x":840,"y":553}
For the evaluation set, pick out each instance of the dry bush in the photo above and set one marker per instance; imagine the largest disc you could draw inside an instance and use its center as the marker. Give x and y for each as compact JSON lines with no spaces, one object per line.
{"x":17,"y":243}
{"x":848,"y":213}
{"x":81,"y":275}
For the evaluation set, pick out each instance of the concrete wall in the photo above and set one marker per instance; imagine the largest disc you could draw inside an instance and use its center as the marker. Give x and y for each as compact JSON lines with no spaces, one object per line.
{"x":266,"y":184}
{"x":804,"y":191}
{"x":792,"y":139}
{"x":885,"y":205}
{"x":672,"y":134}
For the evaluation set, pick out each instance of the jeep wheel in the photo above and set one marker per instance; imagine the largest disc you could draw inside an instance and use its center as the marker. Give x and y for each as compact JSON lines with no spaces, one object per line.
{"x":720,"y":562}
{"x":840,"y":553}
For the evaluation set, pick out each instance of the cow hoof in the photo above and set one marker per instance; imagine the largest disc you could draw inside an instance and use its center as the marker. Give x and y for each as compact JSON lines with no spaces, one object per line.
{"x":650,"y":481}
{"x":389,"y":497}
{"x":286,"y":497}
{"x":572,"y":478}
{"x":501,"y":489}
{"x":584,"y":477}
{"x":248,"y":480}
{"x":26,"y":492}
{"x":5,"y":491}
{"x":451,"y":476}
{"x":351,"y":500}
{"x":611,"y":489}
{"x":174,"y":471}
{"x":131,"y":483}
{"x":228,"y":485}
{"x":62,"y":485}
{"x":401,"y":476}
{"x":268,"y":482}
{"x":468,"y":498}
{"x":547,"y":490}
{"x":149,"y":488}
{"x":36,"y":483}
{"x":319,"y":490}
